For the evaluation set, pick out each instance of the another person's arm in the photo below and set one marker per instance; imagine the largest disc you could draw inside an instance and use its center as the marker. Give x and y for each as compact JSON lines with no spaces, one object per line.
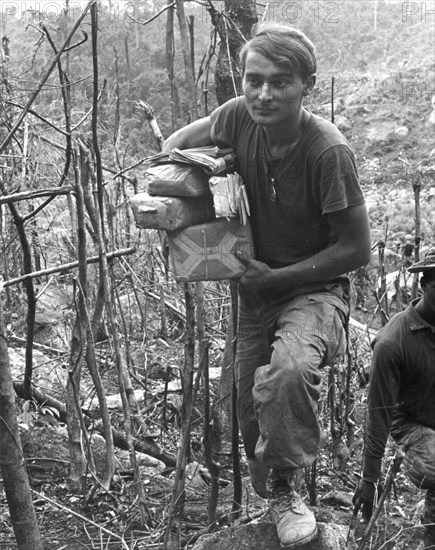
{"x":382,"y":398}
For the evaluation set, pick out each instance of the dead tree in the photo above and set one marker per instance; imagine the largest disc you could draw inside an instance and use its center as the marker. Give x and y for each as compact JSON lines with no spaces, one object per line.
{"x":12,"y":465}
{"x":234,"y":29}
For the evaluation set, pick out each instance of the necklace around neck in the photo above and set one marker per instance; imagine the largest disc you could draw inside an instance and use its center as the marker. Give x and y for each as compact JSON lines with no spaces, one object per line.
{"x":272,"y":164}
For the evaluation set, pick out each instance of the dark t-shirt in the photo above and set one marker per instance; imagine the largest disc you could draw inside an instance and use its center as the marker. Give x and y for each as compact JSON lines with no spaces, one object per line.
{"x":317,"y":177}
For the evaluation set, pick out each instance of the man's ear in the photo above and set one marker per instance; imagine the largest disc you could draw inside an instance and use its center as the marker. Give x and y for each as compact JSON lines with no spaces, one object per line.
{"x":423,"y":283}
{"x":309,"y":84}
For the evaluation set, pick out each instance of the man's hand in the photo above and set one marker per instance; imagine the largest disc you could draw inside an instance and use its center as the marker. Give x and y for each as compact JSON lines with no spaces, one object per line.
{"x":257,"y":275}
{"x":365,"y":495}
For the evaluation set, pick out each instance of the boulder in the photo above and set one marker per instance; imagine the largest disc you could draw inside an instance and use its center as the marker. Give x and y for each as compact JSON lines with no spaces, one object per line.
{"x":262,"y":536}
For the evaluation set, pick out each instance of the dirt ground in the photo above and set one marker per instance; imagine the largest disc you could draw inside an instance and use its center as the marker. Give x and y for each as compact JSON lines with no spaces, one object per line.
{"x":71,"y":522}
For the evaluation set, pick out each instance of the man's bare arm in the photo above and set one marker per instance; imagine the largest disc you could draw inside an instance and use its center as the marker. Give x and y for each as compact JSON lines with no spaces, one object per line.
{"x":350,"y":251}
{"x":195,"y":134}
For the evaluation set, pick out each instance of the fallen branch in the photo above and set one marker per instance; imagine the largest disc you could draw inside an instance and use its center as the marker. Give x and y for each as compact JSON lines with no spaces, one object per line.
{"x":146,"y":445}
{"x":37,"y":345}
{"x":65,"y":267}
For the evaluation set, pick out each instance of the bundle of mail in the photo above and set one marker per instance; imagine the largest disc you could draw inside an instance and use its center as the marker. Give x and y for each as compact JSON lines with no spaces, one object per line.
{"x":229,"y":196}
{"x":212,"y":160}
{"x":205,"y":216}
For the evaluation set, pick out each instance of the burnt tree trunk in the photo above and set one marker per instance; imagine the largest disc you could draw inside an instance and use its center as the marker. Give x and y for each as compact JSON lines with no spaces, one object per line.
{"x":234,"y":28}
{"x":189,"y":72}
{"x":12,"y":466}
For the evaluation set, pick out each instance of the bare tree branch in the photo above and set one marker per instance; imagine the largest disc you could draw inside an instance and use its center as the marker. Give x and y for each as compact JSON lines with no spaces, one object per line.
{"x":65,"y":267}
{"x":154,"y":16}
{"x":24,"y":195}
{"x":37,"y":115}
{"x":44,"y":79}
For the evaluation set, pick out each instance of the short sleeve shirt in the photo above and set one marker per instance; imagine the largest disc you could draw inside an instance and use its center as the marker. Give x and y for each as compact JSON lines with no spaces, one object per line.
{"x":317,"y":177}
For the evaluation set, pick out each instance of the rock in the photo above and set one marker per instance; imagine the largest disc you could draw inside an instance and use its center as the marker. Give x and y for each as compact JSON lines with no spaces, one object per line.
{"x":342,"y":123}
{"x":145,"y":462}
{"x":262,"y":536}
{"x":338,"y":498}
{"x":325,"y":108}
{"x":352,"y":99}
{"x":401,"y":131}
{"x":362,"y":110}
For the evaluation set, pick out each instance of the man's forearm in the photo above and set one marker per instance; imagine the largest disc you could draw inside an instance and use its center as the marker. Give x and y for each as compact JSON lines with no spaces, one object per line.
{"x":195,"y":134}
{"x":382,"y":399}
{"x":375,"y":440}
{"x":328,"y":264}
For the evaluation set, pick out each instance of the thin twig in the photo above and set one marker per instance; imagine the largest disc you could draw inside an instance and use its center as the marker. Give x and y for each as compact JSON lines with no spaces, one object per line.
{"x":82,"y":518}
{"x":397,"y":461}
{"x":37,"y":115}
{"x":154,"y":16}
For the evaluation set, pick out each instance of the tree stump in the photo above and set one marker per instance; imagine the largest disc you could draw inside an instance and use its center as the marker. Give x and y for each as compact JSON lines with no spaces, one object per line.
{"x":262,"y":536}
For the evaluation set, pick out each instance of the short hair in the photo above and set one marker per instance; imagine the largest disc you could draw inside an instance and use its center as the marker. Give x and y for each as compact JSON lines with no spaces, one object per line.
{"x":283,"y":45}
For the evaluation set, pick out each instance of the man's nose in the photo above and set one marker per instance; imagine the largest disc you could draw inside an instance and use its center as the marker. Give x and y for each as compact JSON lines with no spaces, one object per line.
{"x":266,"y":92}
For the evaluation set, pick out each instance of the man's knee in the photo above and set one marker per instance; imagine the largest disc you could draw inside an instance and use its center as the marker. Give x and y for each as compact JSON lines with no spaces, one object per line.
{"x":297,"y":368}
{"x":419,"y":462}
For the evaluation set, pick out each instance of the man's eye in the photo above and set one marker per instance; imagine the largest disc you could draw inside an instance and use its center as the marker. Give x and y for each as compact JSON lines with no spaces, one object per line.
{"x":280,"y":84}
{"x":253,"y":82}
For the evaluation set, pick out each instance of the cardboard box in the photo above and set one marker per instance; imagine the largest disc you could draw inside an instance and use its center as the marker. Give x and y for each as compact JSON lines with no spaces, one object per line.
{"x":170,"y":213}
{"x":177,"y":180}
{"x":206,"y":252}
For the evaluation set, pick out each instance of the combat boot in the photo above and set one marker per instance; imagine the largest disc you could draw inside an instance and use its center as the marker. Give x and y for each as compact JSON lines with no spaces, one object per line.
{"x":295,"y":523}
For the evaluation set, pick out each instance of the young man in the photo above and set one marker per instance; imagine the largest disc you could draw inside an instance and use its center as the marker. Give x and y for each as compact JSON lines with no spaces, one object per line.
{"x":401,"y":399}
{"x":310,"y":227}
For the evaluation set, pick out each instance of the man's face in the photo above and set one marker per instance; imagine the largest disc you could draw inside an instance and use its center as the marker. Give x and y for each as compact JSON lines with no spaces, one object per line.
{"x":273,"y":94}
